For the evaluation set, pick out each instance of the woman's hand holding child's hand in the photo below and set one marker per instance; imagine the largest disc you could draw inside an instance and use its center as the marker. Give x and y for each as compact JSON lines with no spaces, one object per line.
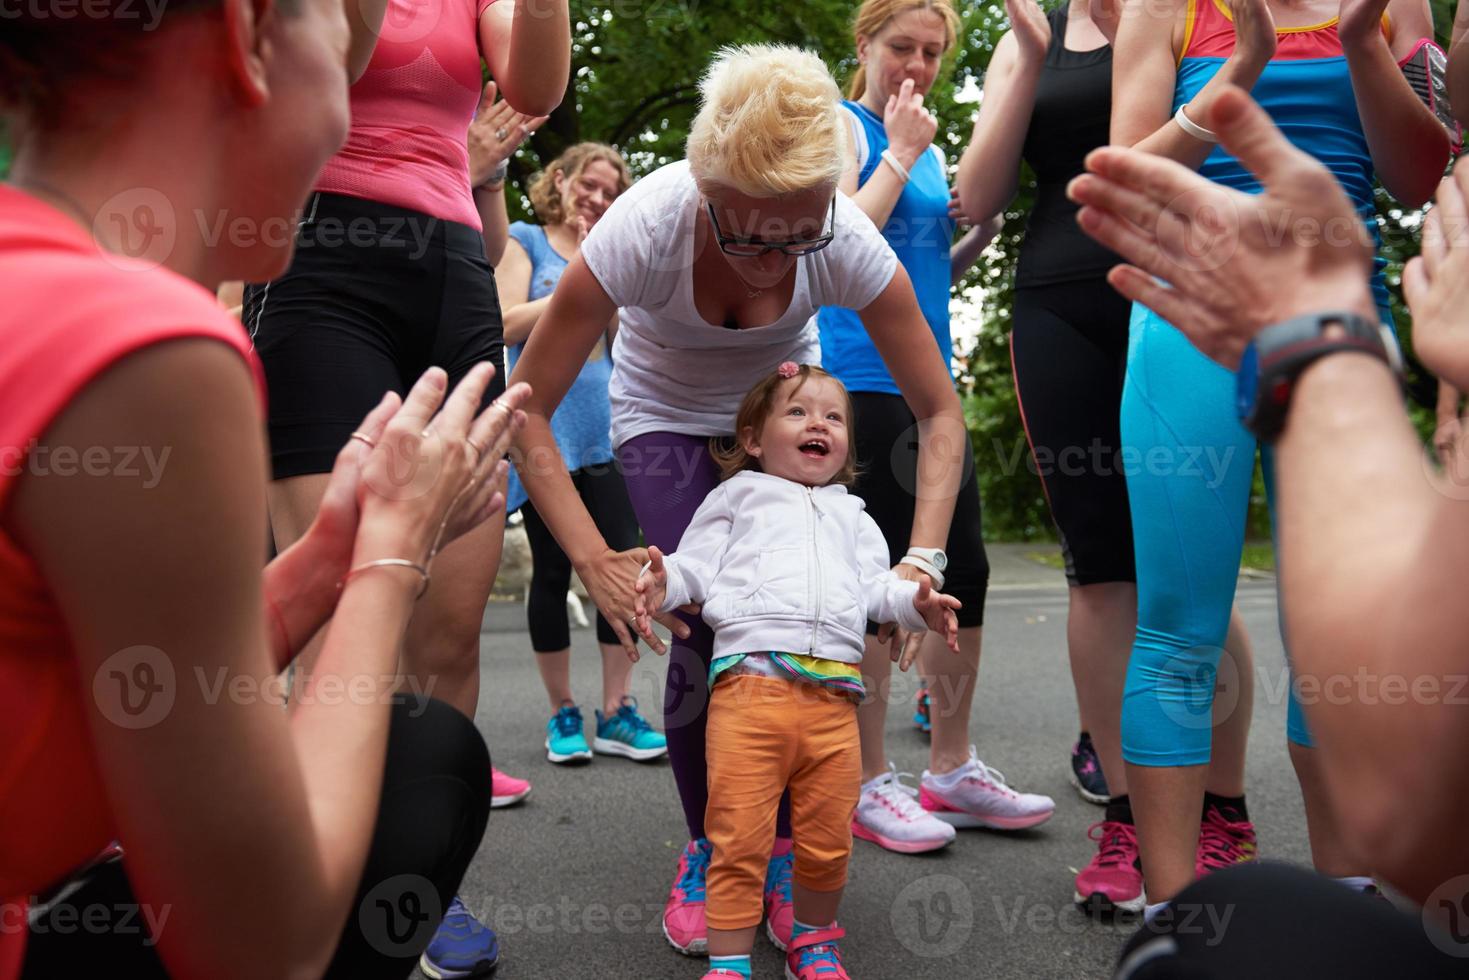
{"x":652,"y":589}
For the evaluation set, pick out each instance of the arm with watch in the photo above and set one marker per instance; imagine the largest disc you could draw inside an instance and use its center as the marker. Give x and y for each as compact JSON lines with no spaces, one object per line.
{"x":1374,"y":542}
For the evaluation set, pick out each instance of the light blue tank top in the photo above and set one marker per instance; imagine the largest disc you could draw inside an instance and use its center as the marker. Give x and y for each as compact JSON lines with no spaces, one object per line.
{"x":919,"y":232}
{"x":1307,"y":90}
{"x":582,"y":423}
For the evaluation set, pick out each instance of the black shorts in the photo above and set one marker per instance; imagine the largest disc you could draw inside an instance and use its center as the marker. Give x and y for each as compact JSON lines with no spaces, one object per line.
{"x":887,"y":461}
{"x":1068,"y":350}
{"x":375,"y":296}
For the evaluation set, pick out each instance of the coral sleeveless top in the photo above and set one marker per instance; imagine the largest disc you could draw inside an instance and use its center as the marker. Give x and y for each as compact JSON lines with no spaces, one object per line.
{"x":71,"y":312}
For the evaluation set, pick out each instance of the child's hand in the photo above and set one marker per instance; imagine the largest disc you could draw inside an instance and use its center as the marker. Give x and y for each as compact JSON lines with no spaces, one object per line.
{"x":937,"y":610}
{"x":651,"y":588}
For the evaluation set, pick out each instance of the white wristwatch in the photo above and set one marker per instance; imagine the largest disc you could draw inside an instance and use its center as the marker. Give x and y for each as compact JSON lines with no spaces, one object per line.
{"x":930,"y":561}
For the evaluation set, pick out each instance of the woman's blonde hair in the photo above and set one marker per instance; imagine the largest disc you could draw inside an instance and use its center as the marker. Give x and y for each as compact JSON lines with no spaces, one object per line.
{"x":755,"y":409}
{"x":874,"y":15}
{"x":544,"y":196}
{"x":768,"y":123}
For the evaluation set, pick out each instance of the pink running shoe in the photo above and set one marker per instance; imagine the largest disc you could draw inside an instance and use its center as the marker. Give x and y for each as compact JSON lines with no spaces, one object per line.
{"x":974,"y":795}
{"x":506,"y":790}
{"x":720,"y":973}
{"x":683,"y":916}
{"x":815,"y":956}
{"x":1113,"y":880}
{"x":1224,"y":840}
{"x":888,"y":814}
{"x":780,"y":909}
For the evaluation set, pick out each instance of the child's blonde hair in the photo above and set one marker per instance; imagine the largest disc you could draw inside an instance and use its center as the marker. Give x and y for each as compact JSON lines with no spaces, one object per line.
{"x":768,"y":123}
{"x":755,"y":409}
{"x":874,"y":15}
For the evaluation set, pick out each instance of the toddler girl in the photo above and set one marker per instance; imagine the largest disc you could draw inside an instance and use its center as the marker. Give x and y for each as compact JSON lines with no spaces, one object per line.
{"x":787,"y":569}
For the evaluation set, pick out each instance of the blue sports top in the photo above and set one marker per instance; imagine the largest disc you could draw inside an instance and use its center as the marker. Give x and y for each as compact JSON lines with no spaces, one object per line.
{"x":920,"y":232}
{"x":582,"y":423}
{"x":1307,"y":90}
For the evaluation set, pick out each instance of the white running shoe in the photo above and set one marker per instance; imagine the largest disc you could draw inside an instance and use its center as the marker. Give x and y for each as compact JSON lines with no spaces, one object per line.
{"x":974,"y":795}
{"x":888,"y":814}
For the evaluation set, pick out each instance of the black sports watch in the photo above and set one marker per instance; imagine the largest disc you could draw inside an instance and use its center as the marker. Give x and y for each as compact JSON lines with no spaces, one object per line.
{"x":1279,"y":353}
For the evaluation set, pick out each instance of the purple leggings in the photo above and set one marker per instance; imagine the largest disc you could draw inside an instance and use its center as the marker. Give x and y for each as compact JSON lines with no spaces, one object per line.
{"x":668,"y":475}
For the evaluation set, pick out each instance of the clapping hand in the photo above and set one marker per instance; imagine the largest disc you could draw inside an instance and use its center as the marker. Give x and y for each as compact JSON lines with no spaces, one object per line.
{"x":495,"y":134}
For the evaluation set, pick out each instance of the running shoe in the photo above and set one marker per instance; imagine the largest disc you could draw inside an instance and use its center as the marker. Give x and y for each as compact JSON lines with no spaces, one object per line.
{"x":974,"y":795}
{"x":923,"y":713}
{"x":683,"y":916}
{"x":1086,"y":771}
{"x":718,"y":972}
{"x":1113,"y":880}
{"x":1224,"y":840}
{"x":565,"y":743}
{"x":628,"y":733}
{"x":780,"y":909}
{"x":888,"y":814}
{"x":506,"y":790}
{"x":815,"y":956}
{"x":462,"y":947}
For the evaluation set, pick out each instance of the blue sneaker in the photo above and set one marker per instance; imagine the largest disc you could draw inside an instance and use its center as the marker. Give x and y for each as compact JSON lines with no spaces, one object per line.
{"x":564,"y":739}
{"x":922,"y":712}
{"x":462,"y":947}
{"x":628,"y":734}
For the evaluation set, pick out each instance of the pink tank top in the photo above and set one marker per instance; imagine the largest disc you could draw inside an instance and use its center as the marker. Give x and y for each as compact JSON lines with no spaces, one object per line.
{"x":411,"y":112}
{"x":70,"y":312}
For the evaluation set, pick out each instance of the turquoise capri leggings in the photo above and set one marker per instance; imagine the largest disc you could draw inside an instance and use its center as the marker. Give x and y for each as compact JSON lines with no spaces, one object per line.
{"x":1189,"y":464}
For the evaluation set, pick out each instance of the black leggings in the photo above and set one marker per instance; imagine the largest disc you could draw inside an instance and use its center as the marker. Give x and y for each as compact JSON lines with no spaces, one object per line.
{"x":605,"y":496}
{"x":1274,"y":922}
{"x":435,"y":803}
{"x":1068,"y":349}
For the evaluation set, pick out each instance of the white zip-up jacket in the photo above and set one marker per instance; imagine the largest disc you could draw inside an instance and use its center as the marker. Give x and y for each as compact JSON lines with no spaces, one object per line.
{"x":778,"y":566}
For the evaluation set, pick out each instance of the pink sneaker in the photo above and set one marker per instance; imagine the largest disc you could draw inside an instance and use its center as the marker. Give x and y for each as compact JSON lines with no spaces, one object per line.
{"x":780,"y":910}
{"x":683,"y":915}
{"x":888,"y":814}
{"x":1113,"y":880}
{"x":720,"y":972}
{"x":1223,"y":840}
{"x":506,"y":790}
{"x":974,"y":795}
{"x":815,"y":956}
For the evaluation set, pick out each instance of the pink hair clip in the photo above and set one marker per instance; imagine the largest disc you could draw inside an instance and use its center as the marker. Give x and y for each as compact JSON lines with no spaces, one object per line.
{"x":788,"y":369}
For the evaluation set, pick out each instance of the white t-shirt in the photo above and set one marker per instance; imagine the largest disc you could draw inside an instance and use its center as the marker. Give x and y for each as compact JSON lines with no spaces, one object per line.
{"x":672,"y":370}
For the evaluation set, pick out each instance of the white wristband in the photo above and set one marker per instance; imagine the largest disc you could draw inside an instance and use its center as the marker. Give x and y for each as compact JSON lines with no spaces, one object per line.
{"x":891,"y":159}
{"x":1192,"y":128}
{"x":926,"y":567}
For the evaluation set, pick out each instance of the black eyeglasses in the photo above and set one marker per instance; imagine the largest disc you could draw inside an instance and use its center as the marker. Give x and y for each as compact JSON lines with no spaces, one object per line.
{"x":749,"y":248}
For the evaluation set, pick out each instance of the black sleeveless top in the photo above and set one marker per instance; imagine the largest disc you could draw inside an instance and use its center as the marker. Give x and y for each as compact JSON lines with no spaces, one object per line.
{"x":1072,"y":115}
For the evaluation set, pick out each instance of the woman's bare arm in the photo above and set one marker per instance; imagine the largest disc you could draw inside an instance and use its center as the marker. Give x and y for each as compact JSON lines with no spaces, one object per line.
{"x":520,"y":313}
{"x":527,"y":44}
{"x":133,"y":567}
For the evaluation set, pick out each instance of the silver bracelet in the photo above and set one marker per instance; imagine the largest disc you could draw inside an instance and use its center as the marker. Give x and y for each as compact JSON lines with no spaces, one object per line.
{"x":496,"y":177}
{"x":1192,"y":128}
{"x":388,"y":563}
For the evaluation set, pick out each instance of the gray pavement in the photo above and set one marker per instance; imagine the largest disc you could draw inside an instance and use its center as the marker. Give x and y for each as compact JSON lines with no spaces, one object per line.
{"x":574,"y":879}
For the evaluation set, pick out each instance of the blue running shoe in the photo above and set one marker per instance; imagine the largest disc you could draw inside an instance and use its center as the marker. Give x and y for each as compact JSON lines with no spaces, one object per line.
{"x":628,"y":734}
{"x":462,"y":947}
{"x":564,"y":739}
{"x":922,"y":713}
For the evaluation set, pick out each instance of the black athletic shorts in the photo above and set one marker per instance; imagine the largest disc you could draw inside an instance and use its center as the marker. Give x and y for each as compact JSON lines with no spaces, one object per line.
{"x":375,"y":296}
{"x":887,"y":461}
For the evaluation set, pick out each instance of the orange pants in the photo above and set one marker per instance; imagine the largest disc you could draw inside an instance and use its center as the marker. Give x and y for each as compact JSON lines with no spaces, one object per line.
{"x":766,"y":734}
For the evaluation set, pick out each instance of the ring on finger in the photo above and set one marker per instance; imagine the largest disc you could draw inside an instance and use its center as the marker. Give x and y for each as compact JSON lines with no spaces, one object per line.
{"x":365,"y":438}
{"x":479,"y":451}
{"x":501,"y":133}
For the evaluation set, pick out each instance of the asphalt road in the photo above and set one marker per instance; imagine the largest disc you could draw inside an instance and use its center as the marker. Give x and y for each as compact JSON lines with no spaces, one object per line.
{"x":574,"y":879}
